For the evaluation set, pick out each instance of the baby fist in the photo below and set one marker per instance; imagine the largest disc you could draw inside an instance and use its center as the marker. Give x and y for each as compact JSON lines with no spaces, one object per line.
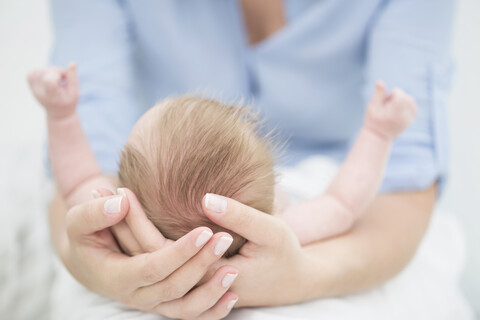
{"x":56,"y":89}
{"x":389,"y":115}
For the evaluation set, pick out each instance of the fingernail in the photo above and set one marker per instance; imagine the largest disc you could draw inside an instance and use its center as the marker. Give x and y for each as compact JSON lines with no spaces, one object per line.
{"x":203,"y":238}
{"x":215,"y":203}
{"x":231,"y":304}
{"x":222,"y":245}
{"x":113,"y":205}
{"x":121,"y":191}
{"x":228,"y":279}
{"x":95,"y":194}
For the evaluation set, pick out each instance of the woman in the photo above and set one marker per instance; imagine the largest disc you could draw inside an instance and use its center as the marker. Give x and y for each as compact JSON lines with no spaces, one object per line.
{"x":310,"y":65}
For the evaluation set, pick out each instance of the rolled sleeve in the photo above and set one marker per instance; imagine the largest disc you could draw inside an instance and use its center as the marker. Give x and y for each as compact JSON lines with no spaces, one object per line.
{"x":408,"y":47}
{"x":97,"y":36}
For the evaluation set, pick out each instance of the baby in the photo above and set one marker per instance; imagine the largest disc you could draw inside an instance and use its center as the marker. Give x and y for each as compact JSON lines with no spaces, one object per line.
{"x":186,"y":147}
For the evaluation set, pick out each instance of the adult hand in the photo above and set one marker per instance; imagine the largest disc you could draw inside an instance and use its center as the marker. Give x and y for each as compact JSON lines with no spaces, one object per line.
{"x":160,"y":281}
{"x":274,"y":270}
{"x":273,"y":267}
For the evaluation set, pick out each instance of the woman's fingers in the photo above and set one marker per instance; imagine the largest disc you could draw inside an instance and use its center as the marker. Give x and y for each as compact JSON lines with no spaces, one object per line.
{"x":244,"y":220}
{"x":147,"y":235}
{"x":96,"y":215}
{"x":126,"y":239}
{"x":123,"y":235}
{"x":222,"y":308}
{"x":206,"y":301}
{"x":208,"y":294}
{"x":147,"y":269}
{"x":170,"y":284}
{"x":158,"y":265}
{"x":136,"y":234}
{"x":192,"y":271}
{"x":164,"y":275}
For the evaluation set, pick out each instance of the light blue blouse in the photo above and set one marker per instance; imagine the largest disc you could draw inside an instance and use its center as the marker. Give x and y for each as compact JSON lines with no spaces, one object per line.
{"x":311,"y":80}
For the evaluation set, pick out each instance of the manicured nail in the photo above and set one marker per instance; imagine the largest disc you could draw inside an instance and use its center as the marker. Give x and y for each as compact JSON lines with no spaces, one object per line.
{"x":231,"y":304}
{"x":215,"y":203}
{"x":222,"y":245}
{"x":203,"y":238}
{"x":113,"y":205}
{"x":95,"y":194}
{"x":121,"y":191}
{"x":228,"y":279}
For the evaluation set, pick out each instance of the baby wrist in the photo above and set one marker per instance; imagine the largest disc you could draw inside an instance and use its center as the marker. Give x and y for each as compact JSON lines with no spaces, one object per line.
{"x":378,"y":132}
{"x":62,"y":119}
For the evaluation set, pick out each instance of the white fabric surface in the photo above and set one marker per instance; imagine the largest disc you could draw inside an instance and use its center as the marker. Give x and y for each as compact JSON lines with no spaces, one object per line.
{"x":26,"y":271}
{"x":426,"y":289}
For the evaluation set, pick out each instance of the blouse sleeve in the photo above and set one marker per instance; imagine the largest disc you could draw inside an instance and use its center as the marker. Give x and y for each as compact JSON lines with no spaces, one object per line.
{"x":408,"y":46}
{"x":96,"y":35}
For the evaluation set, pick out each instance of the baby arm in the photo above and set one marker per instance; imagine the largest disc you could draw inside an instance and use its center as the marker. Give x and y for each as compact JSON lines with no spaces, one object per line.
{"x":73,"y":163}
{"x":361,"y":174}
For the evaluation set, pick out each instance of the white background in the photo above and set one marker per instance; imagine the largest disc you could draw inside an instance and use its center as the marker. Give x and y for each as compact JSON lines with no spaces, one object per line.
{"x":24,"y":43}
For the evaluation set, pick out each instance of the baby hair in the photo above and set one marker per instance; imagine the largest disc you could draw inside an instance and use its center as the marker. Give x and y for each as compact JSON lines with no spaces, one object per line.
{"x":195,"y":146}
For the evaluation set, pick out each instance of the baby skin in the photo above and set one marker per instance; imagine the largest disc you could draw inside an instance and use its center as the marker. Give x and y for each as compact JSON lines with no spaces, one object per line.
{"x":183,"y":148}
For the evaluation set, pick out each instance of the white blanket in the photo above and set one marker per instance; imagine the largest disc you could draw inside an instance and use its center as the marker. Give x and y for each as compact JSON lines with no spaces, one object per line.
{"x":26,"y":272}
{"x":426,"y":289}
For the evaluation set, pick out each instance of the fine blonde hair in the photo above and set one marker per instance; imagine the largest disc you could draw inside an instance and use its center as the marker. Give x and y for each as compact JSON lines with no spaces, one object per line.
{"x":196,"y":146}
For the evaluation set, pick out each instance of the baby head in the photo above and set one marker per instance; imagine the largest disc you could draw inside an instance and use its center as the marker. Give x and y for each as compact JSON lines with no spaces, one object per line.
{"x":186,"y":147}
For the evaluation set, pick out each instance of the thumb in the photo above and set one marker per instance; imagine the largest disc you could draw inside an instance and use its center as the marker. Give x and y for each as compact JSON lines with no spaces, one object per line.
{"x":378,"y":95}
{"x":96,"y":215}
{"x":253,"y":225}
{"x":143,"y":229}
{"x":71,"y":78}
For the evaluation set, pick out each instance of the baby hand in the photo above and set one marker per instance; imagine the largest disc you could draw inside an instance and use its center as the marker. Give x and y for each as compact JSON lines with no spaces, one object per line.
{"x":389,"y":115}
{"x":56,"y":89}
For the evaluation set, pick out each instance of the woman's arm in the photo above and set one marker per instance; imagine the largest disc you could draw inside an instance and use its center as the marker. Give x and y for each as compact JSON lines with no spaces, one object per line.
{"x":379,"y":246}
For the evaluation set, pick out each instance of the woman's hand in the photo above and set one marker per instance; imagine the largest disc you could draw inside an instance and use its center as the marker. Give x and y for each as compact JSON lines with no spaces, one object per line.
{"x":160,"y":281}
{"x":274,"y":270}
{"x":273,"y":266}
